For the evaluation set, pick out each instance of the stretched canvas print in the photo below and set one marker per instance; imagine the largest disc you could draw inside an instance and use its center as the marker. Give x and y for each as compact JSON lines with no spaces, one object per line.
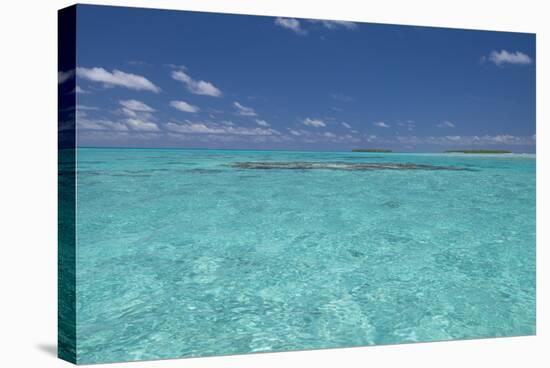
{"x":233,"y":184}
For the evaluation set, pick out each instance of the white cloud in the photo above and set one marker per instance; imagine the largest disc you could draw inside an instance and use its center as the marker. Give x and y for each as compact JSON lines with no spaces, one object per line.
{"x":292,"y":24}
{"x":316,"y":123}
{"x":176,"y":66}
{"x":381,"y":124}
{"x":371,"y":138}
{"x":98,"y":124}
{"x":136,"y":105}
{"x":346,"y":125}
{"x":243,"y":110}
{"x":62,"y":76}
{"x":295,"y":25}
{"x":446,"y":124}
{"x":308,"y":136}
{"x":505,"y":139}
{"x":453,"y":138}
{"x":139,"y":63}
{"x":117,"y":78}
{"x":190,"y":127}
{"x":195,"y":128}
{"x":335,"y":24}
{"x":409,"y":125}
{"x":457,"y":140}
{"x":342,"y":97}
{"x":262,"y":123}
{"x":502,"y":140}
{"x":184,"y":106}
{"x":199,"y":87}
{"x":142,"y":125}
{"x":138,"y":113}
{"x":86,"y":107}
{"x":136,"y":109}
{"x":130,"y":113}
{"x":506,"y":57}
{"x":93,"y":137}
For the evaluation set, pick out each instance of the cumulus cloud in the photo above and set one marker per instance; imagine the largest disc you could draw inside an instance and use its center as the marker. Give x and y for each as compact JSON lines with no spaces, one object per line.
{"x":190,"y":127}
{"x":101,"y":137}
{"x":136,"y":109}
{"x":446,"y":124}
{"x":316,"y":123}
{"x":453,"y":138}
{"x":243,"y":110}
{"x":308,"y":136}
{"x":142,"y":125}
{"x":184,"y":106}
{"x":292,"y":24}
{"x":458,"y":140}
{"x":502,"y":139}
{"x":136,"y":105}
{"x":100,"y":124}
{"x":117,"y":78}
{"x":139,"y":119}
{"x":342,"y":97}
{"x":176,"y":66}
{"x":335,"y":24}
{"x":409,"y":125}
{"x":380,"y":124}
{"x":295,"y":26}
{"x":198,"y":87}
{"x":346,"y":125}
{"x":86,"y":107}
{"x":195,"y":128}
{"x":262,"y":123}
{"x":505,"y":57}
{"x":371,"y":138}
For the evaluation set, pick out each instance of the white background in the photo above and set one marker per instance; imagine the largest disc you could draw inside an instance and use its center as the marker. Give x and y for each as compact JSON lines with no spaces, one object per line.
{"x":28,"y":199}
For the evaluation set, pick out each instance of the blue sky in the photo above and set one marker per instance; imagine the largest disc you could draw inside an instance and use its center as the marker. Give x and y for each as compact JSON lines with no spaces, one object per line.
{"x":154,"y":78}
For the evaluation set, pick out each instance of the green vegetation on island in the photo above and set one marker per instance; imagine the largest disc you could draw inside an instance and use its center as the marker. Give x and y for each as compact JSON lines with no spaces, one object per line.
{"x":478,"y":151}
{"x":370,"y":150}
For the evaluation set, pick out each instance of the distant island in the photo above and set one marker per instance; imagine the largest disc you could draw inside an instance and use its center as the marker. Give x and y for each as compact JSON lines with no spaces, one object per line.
{"x":370,"y":150}
{"x":478,"y":151}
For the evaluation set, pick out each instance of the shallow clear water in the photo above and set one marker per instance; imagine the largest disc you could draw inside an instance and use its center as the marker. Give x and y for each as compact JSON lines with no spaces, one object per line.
{"x":183,"y":253}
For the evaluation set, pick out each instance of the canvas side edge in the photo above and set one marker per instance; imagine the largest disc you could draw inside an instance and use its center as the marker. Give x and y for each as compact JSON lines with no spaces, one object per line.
{"x":66,"y":299}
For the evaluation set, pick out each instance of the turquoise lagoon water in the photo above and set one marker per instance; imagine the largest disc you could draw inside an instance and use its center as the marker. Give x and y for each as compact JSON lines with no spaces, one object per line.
{"x":184,"y":253}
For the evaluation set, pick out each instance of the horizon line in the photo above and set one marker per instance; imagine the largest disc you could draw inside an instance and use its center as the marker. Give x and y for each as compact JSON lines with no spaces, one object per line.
{"x":282,"y":150}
